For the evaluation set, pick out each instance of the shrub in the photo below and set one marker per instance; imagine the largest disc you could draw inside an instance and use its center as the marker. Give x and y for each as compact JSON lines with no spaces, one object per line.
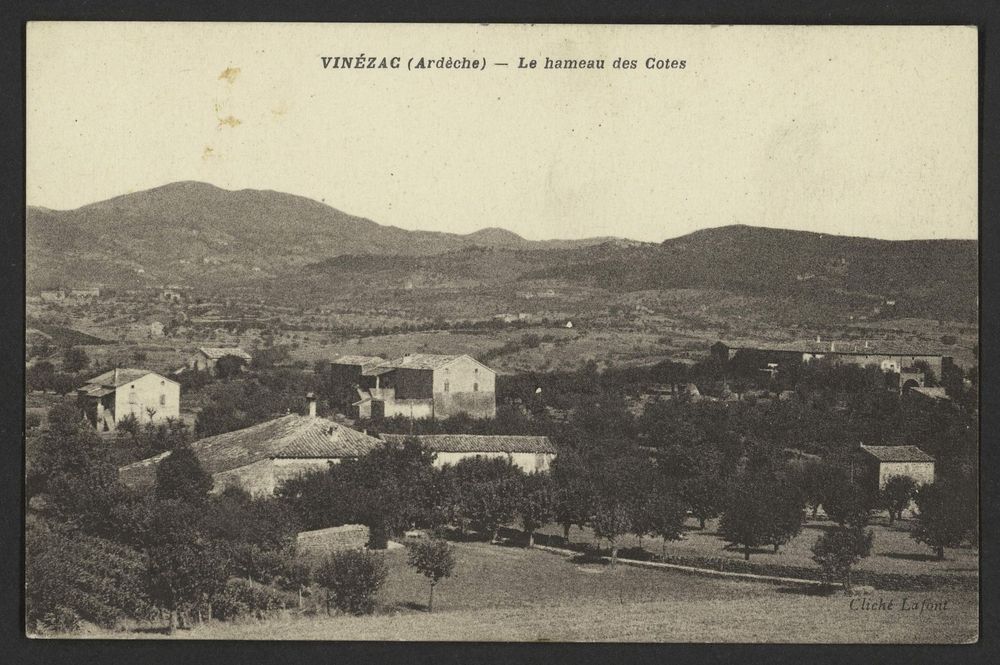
{"x":241,"y":597}
{"x":837,"y":550}
{"x":60,"y":619}
{"x":352,"y":579}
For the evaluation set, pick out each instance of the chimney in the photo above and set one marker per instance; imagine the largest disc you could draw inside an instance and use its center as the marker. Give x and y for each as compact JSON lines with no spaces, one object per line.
{"x":833,"y":347}
{"x":311,"y":401}
{"x":115,"y":379}
{"x":818,"y":340}
{"x":866,"y":344}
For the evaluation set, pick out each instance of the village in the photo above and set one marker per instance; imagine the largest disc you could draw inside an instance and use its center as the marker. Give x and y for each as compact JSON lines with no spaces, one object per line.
{"x":838,"y":466}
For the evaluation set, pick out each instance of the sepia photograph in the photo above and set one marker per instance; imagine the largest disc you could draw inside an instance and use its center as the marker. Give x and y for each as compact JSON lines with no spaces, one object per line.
{"x":502,"y":332}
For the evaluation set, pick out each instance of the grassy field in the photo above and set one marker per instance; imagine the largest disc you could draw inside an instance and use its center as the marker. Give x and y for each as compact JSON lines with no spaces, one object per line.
{"x":508,"y":593}
{"x":894,"y":551}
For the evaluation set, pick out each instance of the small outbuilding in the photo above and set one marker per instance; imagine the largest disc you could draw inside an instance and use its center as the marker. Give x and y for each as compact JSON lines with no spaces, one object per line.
{"x":884,"y":462}
{"x":206,"y":357}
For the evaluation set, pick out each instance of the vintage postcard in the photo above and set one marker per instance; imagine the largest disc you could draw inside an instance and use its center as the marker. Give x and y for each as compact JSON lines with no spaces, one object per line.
{"x":573,"y":333}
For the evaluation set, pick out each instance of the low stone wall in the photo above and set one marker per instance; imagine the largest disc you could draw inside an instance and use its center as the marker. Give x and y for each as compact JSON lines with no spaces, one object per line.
{"x":322,"y":542}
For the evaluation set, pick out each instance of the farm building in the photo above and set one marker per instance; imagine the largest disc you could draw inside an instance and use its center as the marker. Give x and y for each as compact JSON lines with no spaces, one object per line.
{"x":206,"y":357}
{"x":421,"y":385}
{"x":884,"y":462}
{"x":106,"y":399}
{"x":261,"y":457}
{"x":773,"y":357}
{"x":531,"y":453}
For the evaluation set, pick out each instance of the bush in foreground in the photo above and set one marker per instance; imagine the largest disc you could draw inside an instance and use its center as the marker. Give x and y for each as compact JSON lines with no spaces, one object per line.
{"x":241,"y":597}
{"x":352,"y":579}
{"x":837,"y":550}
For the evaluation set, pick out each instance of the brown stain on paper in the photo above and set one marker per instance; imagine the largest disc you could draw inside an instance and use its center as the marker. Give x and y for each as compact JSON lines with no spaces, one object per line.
{"x":229,"y":74}
{"x":230,"y":121}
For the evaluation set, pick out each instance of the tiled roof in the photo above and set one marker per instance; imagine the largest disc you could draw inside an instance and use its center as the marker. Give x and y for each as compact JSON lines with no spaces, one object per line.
{"x":474,"y":443}
{"x":365,"y":362}
{"x":124,"y":376}
{"x":933,"y":393}
{"x":291,"y":436}
{"x":216,"y":352}
{"x":854,"y":347}
{"x":897,"y":453}
{"x":420,"y":361}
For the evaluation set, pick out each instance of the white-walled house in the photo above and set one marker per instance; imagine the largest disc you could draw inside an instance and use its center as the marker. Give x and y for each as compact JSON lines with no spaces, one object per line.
{"x":530,"y":453}
{"x":110,"y":397}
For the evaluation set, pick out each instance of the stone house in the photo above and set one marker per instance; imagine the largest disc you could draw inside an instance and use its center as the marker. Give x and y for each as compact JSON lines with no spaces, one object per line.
{"x":108,"y":398}
{"x":206,"y":357}
{"x":530,"y":453}
{"x":259,"y":458}
{"x":421,"y":385}
{"x":884,"y":462}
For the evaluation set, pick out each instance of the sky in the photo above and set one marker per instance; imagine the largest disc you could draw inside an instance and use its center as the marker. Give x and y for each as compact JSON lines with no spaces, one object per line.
{"x":858,"y":131}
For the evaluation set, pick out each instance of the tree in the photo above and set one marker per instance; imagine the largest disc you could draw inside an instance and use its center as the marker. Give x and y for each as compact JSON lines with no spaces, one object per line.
{"x":352,"y":579}
{"x":228,"y":366}
{"x":434,"y":559}
{"x":667,"y":515}
{"x":813,"y":480}
{"x":490,"y":491}
{"x":574,"y":497}
{"x":71,"y":466}
{"x":181,"y":476}
{"x":838,"y":549}
{"x":537,"y":503}
{"x":846,"y":501}
{"x":787,"y":514}
{"x":704,"y":495}
{"x":946,"y":515}
{"x":610,"y":523}
{"x":183,"y":572}
{"x":762,"y":507}
{"x":746,"y":519}
{"x":40,"y":376}
{"x":896,"y":495}
{"x":75,"y":359}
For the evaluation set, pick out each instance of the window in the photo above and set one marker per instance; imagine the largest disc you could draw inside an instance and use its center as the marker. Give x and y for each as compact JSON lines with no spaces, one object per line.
{"x":446,"y":385}
{"x":475,"y":387}
{"x":163,"y":400}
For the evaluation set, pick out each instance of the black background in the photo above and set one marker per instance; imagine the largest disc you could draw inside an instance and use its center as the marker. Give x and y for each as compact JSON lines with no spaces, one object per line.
{"x":16,"y":648}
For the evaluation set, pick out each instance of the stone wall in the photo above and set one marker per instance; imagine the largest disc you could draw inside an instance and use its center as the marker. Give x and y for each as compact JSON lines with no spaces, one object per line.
{"x":322,"y":542}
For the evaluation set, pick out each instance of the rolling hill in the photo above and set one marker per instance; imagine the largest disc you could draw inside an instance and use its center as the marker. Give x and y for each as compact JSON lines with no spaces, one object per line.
{"x":197,"y":234}
{"x":192,"y":232}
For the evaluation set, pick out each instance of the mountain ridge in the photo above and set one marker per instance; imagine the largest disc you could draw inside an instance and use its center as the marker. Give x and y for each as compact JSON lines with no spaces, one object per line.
{"x":283,"y":244}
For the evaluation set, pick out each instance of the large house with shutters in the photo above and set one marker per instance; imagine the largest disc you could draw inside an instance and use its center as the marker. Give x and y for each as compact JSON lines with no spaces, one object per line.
{"x":107,"y":399}
{"x":420,"y":385}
